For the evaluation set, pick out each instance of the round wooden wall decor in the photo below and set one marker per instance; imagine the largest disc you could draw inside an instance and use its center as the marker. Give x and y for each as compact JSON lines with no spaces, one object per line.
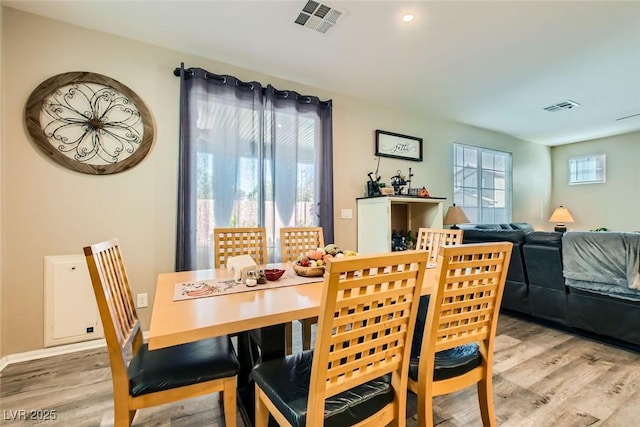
{"x":89,"y":123}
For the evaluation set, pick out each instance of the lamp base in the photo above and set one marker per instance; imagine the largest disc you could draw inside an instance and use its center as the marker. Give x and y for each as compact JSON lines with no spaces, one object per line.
{"x":454,"y":227}
{"x":560,"y":228}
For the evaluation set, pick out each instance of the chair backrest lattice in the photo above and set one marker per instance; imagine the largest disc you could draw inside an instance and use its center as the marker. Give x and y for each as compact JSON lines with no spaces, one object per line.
{"x":431,"y":239}
{"x":462,"y":315}
{"x":467,"y":302}
{"x":115,"y":304}
{"x":134,"y":368}
{"x":368,"y":312}
{"x":229,"y":242}
{"x":295,"y":241}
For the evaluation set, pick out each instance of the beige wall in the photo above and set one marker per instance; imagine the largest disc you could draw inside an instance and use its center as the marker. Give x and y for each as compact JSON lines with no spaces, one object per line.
{"x":49,"y":210}
{"x":614,"y":204}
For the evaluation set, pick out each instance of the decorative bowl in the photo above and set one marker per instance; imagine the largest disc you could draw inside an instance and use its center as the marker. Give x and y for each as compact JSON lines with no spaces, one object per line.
{"x":273,"y":273}
{"x":308,"y":271}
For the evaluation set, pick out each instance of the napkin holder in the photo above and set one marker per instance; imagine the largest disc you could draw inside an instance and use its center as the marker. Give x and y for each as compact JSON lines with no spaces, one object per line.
{"x":240,"y":265}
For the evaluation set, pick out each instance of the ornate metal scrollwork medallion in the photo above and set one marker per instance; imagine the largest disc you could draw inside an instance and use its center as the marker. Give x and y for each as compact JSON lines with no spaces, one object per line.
{"x":89,"y":123}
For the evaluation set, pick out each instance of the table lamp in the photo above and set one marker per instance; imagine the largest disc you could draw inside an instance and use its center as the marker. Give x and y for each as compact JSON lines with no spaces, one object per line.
{"x":455,"y":215}
{"x":560,"y":216}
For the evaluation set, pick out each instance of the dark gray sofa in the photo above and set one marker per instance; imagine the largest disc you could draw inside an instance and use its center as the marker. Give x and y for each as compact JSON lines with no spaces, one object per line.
{"x":577,"y":280}
{"x":516,"y":291}
{"x":602,"y":273}
{"x":547,"y":290}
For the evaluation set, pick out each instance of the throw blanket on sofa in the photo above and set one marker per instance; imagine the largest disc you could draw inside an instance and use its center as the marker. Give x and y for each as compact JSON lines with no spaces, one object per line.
{"x":602,"y":257}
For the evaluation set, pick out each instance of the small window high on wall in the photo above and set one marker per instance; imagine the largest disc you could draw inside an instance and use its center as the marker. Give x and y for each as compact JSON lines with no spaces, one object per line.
{"x":482,"y":183}
{"x":587,"y":169}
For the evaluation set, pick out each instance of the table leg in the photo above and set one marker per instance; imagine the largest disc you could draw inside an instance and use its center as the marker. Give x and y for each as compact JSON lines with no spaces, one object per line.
{"x":254,"y":346}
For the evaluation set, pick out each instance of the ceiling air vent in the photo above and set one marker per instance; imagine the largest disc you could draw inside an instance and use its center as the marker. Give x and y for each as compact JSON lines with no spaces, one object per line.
{"x":318,"y":17}
{"x":564,"y":105}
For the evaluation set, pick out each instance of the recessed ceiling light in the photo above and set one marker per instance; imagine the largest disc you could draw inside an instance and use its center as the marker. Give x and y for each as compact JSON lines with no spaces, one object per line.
{"x":408,"y":17}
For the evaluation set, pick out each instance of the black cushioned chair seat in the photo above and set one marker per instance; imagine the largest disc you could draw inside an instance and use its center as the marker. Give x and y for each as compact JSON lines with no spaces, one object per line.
{"x":156,"y":370}
{"x":450,"y":363}
{"x":286,"y":383}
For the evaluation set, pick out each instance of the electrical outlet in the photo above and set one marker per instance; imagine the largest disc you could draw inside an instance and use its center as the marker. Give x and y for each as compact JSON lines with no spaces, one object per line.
{"x":346,"y":214}
{"x":142,"y":301}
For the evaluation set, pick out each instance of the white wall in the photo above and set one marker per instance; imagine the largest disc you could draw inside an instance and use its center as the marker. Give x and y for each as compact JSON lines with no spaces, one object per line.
{"x":49,"y":210}
{"x":614,"y":204}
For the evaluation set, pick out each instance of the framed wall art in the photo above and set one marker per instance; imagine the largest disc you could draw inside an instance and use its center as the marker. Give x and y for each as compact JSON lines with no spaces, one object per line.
{"x":89,"y":123}
{"x":390,"y":144}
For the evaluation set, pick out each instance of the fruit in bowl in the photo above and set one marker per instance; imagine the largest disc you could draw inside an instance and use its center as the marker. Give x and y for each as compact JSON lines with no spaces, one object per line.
{"x":312,"y":262}
{"x":273,"y":274}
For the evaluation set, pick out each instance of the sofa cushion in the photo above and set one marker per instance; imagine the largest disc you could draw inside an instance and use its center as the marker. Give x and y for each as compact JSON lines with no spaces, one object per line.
{"x":543,"y":257}
{"x":606,"y":289}
{"x":602,"y":258}
{"x":524,"y":226}
{"x":487,"y":235}
{"x":608,"y":317}
{"x":486,"y":227}
{"x":544,"y":238}
{"x":515,"y":293}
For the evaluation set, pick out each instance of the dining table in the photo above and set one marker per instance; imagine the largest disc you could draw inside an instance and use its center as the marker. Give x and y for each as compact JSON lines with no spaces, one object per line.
{"x":256,"y":318}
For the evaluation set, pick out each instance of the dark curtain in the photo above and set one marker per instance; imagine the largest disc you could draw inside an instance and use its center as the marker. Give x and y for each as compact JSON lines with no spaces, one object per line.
{"x":214,"y":128}
{"x":298,"y":142}
{"x":186,"y":242}
{"x":231,"y":133}
{"x":325,"y":165}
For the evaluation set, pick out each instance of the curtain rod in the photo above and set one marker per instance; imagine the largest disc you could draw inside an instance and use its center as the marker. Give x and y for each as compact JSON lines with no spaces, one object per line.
{"x":285,"y":93}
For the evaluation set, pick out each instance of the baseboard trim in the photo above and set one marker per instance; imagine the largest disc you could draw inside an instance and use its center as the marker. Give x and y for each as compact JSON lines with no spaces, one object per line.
{"x":53,"y":351}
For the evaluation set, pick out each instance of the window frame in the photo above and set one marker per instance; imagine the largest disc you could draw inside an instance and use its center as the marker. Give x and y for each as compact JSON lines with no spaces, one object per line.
{"x":479,"y":212}
{"x":584,"y":161}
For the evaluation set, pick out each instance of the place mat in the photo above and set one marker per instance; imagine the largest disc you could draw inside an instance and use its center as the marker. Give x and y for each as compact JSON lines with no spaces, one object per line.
{"x":211,"y":288}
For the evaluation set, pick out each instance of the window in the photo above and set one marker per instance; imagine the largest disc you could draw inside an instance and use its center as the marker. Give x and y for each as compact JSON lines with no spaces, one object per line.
{"x":249,"y":157}
{"x":587,"y":169}
{"x":245,"y":179}
{"x":482,"y":183}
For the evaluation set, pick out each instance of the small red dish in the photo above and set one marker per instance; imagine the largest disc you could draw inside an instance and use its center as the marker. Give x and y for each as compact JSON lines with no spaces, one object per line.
{"x":273,"y":273}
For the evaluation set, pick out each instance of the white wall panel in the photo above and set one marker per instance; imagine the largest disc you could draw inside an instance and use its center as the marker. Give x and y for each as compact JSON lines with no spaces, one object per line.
{"x":71,"y":312}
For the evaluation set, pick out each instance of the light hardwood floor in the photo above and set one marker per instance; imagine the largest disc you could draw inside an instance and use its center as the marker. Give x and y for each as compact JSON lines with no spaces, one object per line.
{"x":542,"y":377}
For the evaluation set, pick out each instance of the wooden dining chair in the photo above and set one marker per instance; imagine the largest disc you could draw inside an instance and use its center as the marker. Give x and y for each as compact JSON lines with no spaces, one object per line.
{"x":141,"y":377}
{"x":295,"y":241}
{"x":356,"y":372}
{"x":230,"y":242}
{"x":456,"y":349}
{"x":430,"y":239}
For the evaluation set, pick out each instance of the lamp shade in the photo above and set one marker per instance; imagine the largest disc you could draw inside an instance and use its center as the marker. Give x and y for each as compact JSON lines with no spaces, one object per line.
{"x":561,"y":215}
{"x":455,"y":215}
